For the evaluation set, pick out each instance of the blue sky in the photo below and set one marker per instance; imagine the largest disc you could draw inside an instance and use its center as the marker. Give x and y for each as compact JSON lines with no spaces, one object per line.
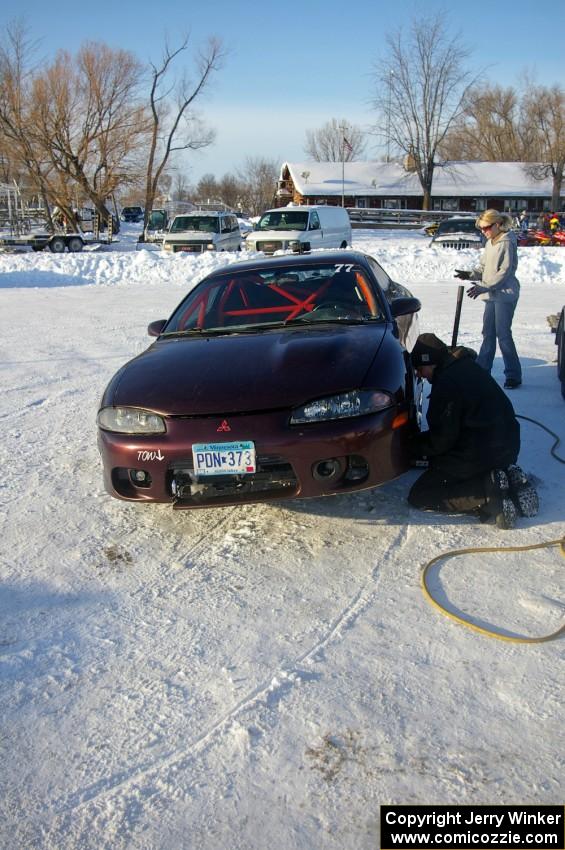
{"x":292,"y":66}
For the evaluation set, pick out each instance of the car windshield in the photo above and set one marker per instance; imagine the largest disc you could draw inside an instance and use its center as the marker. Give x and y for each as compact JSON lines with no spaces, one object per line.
{"x":458,"y":226}
{"x":235,"y":301}
{"x":283,"y":220}
{"x":202,"y":224}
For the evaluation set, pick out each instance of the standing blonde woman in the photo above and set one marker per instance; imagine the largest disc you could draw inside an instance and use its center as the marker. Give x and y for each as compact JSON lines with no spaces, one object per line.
{"x":499,"y":289}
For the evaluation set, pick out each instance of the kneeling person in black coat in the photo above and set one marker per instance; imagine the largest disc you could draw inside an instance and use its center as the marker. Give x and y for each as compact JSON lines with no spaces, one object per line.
{"x":473,"y":436}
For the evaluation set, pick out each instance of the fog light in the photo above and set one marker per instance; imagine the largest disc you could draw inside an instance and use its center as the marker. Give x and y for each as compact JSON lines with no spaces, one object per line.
{"x":140,"y":477}
{"x":325,"y":470}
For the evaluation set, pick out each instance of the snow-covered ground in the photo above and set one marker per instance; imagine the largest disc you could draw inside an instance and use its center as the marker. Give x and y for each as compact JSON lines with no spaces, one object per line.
{"x":255,"y":676}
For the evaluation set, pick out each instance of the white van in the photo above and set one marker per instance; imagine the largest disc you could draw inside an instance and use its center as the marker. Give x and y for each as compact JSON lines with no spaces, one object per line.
{"x":300,"y":229}
{"x":197,"y":232}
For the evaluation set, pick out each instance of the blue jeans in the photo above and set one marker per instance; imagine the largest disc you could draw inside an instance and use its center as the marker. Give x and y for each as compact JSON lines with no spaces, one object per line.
{"x":497,"y":325}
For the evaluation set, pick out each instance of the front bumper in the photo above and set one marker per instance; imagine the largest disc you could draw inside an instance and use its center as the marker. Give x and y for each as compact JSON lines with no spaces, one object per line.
{"x":303,"y":461}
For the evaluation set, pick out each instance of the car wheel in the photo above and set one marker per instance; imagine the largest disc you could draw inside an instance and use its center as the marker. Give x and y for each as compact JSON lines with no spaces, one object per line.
{"x":75,"y":244}
{"x":57,"y":245}
{"x":343,"y":245}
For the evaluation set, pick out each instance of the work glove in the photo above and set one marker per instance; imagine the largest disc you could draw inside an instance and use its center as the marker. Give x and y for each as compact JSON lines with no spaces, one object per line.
{"x":475,"y":291}
{"x":464,"y":275}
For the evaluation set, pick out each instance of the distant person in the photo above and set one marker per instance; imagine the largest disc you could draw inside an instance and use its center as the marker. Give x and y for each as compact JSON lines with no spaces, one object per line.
{"x":499,"y":289}
{"x":472,"y":443}
{"x":524,"y":222}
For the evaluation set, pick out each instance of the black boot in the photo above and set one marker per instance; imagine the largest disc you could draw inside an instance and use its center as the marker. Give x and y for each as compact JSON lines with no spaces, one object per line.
{"x":523,"y":493}
{"x":499,"y":504}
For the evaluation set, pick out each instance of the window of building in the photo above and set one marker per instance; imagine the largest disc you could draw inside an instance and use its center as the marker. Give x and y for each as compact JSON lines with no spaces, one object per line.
{"x":447,"y":204}
{"x":516,"y":204}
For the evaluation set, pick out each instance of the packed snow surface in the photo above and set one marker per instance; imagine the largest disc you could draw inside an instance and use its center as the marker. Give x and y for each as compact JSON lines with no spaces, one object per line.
{"x":268,"y":675}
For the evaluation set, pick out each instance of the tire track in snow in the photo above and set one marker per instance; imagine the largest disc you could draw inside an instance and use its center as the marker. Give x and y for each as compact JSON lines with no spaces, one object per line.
{"x":269,"y":692}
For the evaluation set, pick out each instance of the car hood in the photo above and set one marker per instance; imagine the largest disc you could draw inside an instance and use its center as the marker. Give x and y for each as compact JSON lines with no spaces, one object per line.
{"x":246,"y":372}
{"x":190,"y":234}
{"x":458,"y":234}
{"x":276,"y":235}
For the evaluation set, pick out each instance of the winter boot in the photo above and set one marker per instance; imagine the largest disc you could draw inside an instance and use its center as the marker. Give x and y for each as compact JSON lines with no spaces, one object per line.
{"x":523,"y":493}
{"x":516,"y":476}
{"x":498,"y":505}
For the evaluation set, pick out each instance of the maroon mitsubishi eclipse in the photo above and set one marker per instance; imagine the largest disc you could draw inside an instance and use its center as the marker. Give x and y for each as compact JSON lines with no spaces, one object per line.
{"x":273,"y":379}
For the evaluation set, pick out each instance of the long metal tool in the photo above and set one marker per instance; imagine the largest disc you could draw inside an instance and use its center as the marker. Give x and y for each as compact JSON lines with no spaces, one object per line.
{"x":460,"y":291}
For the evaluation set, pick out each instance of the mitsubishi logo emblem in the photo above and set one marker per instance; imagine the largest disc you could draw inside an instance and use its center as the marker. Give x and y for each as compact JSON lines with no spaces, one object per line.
{"x":224,"y":426}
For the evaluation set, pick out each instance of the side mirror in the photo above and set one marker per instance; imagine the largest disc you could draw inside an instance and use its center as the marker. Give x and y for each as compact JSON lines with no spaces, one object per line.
{"x":156,"y":328}
{"x":404,"y":306}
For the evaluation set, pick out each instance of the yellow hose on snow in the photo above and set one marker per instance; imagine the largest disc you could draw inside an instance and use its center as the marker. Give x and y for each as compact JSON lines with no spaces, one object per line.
{"x":488,"y":632}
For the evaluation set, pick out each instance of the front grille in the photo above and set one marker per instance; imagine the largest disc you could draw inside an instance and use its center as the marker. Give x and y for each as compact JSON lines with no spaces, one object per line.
{"x":269,"y":247}
{"x":460,"y":243}
{"x":274,"y":478}
{"x":193,"y":248}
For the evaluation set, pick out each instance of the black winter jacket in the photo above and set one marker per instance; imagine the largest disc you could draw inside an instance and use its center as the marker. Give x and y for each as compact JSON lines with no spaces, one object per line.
{"x":472,"y":425}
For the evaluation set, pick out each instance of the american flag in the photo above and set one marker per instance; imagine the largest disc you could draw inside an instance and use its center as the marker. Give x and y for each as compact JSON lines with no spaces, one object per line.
{"x":347,"y":146}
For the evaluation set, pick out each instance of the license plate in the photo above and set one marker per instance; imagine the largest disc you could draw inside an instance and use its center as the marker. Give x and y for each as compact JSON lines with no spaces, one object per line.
{"x":221,"y":458}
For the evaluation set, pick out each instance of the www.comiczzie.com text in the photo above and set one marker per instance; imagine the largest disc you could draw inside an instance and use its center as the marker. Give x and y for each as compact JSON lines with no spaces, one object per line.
{"x":478,"y":827}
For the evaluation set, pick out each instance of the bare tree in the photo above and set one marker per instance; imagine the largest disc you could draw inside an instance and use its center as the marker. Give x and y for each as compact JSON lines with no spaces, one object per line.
{"x":181,"y":189}
{"x":74,"y":125}
{"x":88,"y":122}
{"x":489,"y":127}
{"x":499,"y":124}
{"x":231,"y":191}
{"x":258,"y":178}
{"x":207,"y":189}
{"x":420,"y":85}
{"x":20,"y":155}
{"x":335,"y":141}
{"x":175,"y":126}
{"x":544,"y":109}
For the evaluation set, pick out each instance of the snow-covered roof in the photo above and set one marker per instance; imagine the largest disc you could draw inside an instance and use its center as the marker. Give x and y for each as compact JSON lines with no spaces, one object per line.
{"x":459,"y":179}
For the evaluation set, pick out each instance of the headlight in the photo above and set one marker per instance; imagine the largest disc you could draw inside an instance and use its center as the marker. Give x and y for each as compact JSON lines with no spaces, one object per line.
{"x":130,"y":420}
{"x":210,"y":246}
{"x":343,"y":406}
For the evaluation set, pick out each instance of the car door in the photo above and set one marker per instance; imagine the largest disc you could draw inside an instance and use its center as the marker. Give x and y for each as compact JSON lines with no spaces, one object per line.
{"x":234,"y":233}
{"x":315,"y":232}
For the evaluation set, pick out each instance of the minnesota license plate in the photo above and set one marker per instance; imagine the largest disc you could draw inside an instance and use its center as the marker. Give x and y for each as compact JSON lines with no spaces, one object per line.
{"x":221,"y":458}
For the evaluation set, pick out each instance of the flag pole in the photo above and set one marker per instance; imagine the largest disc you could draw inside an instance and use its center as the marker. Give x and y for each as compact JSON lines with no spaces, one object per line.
{"x":342,"y":128}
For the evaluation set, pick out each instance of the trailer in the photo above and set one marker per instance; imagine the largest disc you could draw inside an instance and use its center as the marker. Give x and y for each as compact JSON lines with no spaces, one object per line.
{"x":55,"y":242}
{"x":23,"y":228}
